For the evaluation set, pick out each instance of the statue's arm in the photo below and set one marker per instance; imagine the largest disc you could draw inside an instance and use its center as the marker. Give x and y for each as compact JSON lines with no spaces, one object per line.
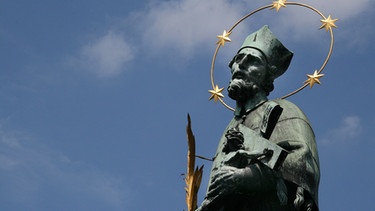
{"x":240,"y":172}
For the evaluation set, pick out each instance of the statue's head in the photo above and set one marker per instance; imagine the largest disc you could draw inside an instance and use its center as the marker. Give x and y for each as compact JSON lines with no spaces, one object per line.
{"x":261,"y":59}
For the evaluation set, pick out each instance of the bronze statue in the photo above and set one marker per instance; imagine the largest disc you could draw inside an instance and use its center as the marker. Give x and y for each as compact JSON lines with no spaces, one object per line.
{"x":267,"y":157}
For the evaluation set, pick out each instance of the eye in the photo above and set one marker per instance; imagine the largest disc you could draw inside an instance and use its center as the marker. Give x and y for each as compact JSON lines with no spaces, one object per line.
{"x":254,"y":60}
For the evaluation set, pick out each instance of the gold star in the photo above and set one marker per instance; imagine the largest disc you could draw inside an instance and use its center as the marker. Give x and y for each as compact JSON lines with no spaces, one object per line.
{"x":312,"y":79}
{"x":278,"y":4}
{"x":223,"y":38}
{"x":216,"y":93}
{"x":328,"y":23}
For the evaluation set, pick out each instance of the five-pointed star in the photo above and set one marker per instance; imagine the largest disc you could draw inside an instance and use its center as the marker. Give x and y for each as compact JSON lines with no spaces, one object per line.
{"x":223,"y":38}
{"x":216,"y":93}
{"x":312,"y":79}
{"x":278,"y":4}
{"x":328,"y":23}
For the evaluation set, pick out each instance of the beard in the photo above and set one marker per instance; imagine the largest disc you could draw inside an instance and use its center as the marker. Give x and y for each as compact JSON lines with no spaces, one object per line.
{"x":240,"y":90}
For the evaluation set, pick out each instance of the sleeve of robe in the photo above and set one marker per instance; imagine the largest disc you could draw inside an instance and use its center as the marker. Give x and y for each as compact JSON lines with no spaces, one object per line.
{"x":293,"y":132}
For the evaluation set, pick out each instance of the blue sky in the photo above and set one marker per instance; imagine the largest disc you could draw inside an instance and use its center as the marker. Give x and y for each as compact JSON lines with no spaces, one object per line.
{"x":94,"y":97}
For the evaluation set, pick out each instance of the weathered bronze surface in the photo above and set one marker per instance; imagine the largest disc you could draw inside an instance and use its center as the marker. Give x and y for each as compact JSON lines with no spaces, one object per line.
{"x":267,"y":157}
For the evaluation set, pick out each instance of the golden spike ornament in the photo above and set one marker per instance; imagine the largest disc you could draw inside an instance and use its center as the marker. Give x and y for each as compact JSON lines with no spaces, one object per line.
{"x":194,"y":174}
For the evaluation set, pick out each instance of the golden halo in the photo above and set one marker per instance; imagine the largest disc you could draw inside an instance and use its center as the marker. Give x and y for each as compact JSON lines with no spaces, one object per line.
{"x":327,"y":24}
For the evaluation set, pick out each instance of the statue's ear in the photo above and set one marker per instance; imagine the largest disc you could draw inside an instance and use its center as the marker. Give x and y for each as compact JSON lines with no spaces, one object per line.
{"x":272,"y":71}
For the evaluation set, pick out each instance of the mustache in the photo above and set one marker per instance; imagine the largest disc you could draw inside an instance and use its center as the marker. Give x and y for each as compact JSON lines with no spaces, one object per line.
{"x":237,"y":83}
{"x":241,"y":90}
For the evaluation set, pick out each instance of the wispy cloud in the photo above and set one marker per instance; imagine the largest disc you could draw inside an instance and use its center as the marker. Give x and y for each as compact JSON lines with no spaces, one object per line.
{"x":342,"y":9}
{"x":300,"y":23}
{"x":106,"y":56}
{"x":349,"y":130}
{"x":31,"y":173}
{"x":187,"y":24}
{"x":190,"y":26}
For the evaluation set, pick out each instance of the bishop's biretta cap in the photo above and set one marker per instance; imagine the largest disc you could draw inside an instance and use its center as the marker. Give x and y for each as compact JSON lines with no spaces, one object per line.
{"x":276,"y":54}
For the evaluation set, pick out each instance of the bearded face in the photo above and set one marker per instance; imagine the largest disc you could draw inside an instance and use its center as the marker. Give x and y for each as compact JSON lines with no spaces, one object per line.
{"x":241,"y":90}
{"x":248,"y":73}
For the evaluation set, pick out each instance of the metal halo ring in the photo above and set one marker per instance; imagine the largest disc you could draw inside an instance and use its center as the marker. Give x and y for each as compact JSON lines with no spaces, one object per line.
{"x":252,"y":13}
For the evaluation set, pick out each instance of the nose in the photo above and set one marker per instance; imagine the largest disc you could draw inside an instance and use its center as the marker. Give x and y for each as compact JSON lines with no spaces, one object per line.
{"x":238,"y":73}
{"x":236,"y":69}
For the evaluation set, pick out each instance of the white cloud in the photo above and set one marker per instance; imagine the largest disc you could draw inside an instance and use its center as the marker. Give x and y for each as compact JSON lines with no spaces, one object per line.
{"x":187,"y":24}
{"x":349,"y":130}
{"x":31,"y":173}
{"x":186,"y":27}
{"x":301,"y":23}
{"x":106,"y":56}
{"x":341,"y":9}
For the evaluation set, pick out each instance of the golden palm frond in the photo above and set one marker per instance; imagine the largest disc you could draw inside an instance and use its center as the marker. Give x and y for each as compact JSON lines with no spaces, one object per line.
{"x":194,"y":175}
